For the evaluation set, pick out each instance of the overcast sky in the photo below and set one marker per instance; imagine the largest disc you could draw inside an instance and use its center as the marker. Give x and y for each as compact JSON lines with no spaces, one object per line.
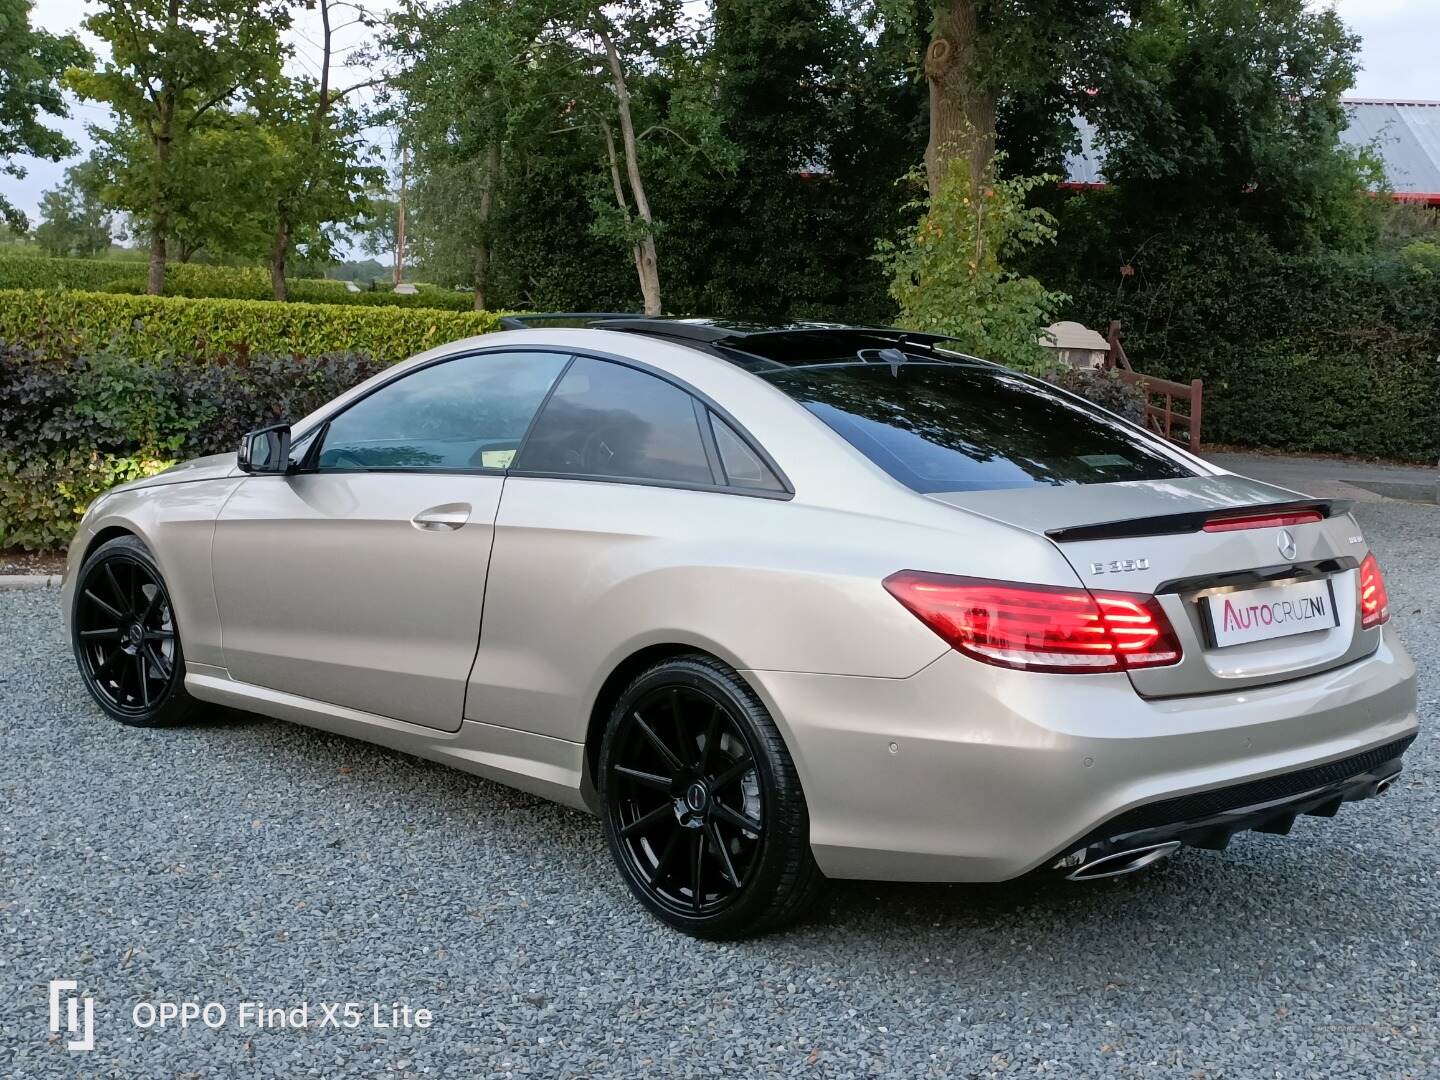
{"x":1397,"y":61}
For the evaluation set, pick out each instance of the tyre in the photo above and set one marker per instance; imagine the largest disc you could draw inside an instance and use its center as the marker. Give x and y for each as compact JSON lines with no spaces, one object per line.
{"x":702,"y":807}
{"x":125,"y":637}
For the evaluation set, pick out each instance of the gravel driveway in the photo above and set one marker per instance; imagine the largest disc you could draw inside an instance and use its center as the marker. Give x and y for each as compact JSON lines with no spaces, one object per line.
{"x":245,"y":859}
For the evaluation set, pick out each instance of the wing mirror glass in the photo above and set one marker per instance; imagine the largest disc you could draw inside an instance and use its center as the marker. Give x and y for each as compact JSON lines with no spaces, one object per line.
{"x":266,"y":450}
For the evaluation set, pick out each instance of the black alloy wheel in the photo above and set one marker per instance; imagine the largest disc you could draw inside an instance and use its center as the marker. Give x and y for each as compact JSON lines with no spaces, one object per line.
{"x":704,"y":813}
{"x":125,"y":637}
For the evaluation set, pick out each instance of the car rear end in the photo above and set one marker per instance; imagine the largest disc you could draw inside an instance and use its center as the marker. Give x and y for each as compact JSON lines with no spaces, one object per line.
{"x":1221,"y":660}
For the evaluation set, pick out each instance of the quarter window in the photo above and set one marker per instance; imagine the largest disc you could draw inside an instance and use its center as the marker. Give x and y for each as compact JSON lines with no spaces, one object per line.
{"x":743,"y":467}
{"x":608,"y":420}
{"x":468,"y":413}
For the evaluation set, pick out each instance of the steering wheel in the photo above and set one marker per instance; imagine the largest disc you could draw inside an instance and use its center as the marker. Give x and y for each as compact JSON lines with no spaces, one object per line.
{"x":597,"y":453}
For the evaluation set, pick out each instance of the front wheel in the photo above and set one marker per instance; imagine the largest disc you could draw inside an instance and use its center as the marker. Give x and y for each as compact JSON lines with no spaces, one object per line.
{"x":125,"y":638}
{"x":703,"y":809}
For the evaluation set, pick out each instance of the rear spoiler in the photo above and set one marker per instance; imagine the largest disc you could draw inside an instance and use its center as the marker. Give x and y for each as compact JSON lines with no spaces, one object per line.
{"x":1190,"y":521}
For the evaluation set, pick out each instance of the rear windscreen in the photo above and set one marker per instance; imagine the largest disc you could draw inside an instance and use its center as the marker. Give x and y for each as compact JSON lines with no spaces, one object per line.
{"x":952,"y":427}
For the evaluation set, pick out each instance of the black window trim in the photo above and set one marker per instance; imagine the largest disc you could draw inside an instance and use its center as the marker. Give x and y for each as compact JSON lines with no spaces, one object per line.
{"x":701,"y":402}
{"x":699,"y":399}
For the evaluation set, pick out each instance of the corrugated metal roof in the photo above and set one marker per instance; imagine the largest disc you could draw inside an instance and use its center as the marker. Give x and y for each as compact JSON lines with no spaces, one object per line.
{"x":1406,"y":134}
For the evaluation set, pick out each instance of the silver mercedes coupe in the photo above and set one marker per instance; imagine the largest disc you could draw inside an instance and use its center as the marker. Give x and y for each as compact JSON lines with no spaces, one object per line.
{"x":776,"y":603}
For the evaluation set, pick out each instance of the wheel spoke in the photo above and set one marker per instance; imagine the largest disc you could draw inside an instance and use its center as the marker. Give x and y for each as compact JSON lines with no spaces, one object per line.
{"x":697,"y":869}
{"x":674,"y":762}
{"x":644,"y":822}
{"x":103,"y":606}
{"x":718,"y":843}
{"x":159,"y":635}
{"x":105,"y":665}
{"x":115,"y":590}
{"x":150,"y":607}
{"x":141,"y":675}
{"x":739,"y":820}
{"x":108,"y":632}
{"x":649,"y":779}
{"x":733,"y":773}
{"x":158,"y":662}
{"x":662,"y":864}
{"x":712,"y":735}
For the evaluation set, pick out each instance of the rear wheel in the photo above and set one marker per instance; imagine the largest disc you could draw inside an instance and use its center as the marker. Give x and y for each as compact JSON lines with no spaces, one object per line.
{"x":125,"y":638}
{"x":703,"y":809}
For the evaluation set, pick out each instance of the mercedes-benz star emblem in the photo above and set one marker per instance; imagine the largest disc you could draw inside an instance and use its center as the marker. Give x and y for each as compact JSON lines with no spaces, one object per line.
{"x":1286,"y":543}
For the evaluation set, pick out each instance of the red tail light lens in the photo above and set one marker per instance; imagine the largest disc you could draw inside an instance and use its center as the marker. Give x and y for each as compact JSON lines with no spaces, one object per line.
{"x":1232,"y":522}
{"x":1374,"y":600}
{"x":1039,"y":627}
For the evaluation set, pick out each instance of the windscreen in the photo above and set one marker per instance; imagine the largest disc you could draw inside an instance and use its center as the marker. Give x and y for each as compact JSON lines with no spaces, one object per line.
{"x":954,"y":427}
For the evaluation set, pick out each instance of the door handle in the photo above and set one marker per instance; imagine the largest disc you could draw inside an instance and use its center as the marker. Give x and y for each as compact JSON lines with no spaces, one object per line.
{"x":446,"y":517}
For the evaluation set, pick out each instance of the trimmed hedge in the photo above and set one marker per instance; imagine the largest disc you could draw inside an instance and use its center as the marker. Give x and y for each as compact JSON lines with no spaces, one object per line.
{"x":71,"y":427}
{"x":253,"y":283}
{"x":148,"y":326}
{"x":40,"y":272}
{"x":1301,"y":351}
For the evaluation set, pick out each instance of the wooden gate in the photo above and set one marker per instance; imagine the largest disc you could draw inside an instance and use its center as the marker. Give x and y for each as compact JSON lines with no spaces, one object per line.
{"x":1161,"y":396}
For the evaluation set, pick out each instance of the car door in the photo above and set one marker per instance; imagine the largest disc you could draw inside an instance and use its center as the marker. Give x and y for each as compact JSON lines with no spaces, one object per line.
{"x":624,"y":476}
{"x":359,"y":580}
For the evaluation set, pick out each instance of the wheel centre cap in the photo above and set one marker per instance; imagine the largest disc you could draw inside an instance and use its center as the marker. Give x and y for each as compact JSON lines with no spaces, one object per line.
{"x":135,"y":635}
{"x":696,"y":798}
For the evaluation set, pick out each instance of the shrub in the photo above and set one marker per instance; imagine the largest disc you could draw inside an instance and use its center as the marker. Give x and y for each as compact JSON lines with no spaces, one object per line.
{"x":39,"y":272}
{"x":253,"y":283}
{"x":1306,"y":351}
{"x":163,"y":325}
{"x":952,"y":273}
{"x":72,"y":427}
{"x":1105,"y":389}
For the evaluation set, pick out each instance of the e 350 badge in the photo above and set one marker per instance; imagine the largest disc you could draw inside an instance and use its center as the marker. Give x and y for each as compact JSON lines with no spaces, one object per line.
{"x":1119,"y":566}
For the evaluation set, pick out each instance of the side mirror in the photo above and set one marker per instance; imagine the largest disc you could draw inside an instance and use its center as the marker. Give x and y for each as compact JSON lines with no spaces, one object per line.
{"x":266,"y":450}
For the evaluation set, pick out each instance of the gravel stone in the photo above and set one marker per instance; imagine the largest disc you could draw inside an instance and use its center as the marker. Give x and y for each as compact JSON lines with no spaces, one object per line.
{"x":243,"y":859}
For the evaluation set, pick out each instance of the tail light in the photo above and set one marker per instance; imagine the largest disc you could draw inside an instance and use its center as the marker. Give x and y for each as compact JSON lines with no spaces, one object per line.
{"x":1374,"y":600}
{"x":1039,"y":627}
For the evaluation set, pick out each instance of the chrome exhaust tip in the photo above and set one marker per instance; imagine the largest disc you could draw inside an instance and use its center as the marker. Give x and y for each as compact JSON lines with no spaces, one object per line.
{"x":1385,"y":785}
{"x":1123,"y":862}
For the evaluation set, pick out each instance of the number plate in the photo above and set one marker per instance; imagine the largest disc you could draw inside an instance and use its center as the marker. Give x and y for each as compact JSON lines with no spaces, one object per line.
{"x":1273,"y":612}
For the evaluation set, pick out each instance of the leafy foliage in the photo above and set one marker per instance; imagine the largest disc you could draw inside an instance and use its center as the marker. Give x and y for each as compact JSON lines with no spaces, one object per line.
{"x":72,"y":220}
{"x":1311,"y":350}
{"x":156,"y":326}
{"x":39,"y":272}
{"x":71,"y":427}
{"x":951,"y":274}
{"x":31,"y":63}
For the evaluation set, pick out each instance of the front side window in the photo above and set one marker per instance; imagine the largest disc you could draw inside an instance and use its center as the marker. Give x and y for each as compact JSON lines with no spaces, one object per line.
{"x":954,"y":427}
{"x":608,"y":420}
{"x":467,"y":413}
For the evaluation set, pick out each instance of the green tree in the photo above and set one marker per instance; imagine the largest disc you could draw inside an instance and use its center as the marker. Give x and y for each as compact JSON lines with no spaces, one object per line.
{"x":73,"y":221}
{"x":1234,"y":106}
{"x":221,"y":201}
{"x":953,"y":272}
{"x":172,"y":64}
{"x":31,"y":64}
{"x":321,"y":167}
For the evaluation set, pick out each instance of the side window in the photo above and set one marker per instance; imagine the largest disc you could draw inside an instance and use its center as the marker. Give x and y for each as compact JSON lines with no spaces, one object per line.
{"x":743,"y":467}
{"x":610,"y":420}
{"x":466,"y":413}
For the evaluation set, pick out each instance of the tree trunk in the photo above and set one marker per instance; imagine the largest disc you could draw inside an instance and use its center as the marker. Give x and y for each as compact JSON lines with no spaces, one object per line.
{"x":279,"y":249}
{"x":647,"y":263}
{"x":962,"y":102}
{"x":155,"y":279}
{"x":489,"y":177}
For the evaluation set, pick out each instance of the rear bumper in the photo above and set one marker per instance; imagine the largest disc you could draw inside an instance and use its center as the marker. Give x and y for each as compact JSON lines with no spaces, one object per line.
{"x":1211,"y":818}
{"x":965,"y":772}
